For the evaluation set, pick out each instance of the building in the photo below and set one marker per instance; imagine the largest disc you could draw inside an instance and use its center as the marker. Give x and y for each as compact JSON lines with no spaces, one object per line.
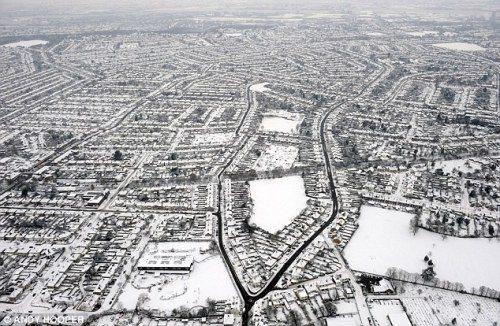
{"x":166,"y":262}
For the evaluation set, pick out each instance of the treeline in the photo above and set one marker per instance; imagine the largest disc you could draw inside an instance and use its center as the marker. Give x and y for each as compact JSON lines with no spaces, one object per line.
{"x":416,"y":278}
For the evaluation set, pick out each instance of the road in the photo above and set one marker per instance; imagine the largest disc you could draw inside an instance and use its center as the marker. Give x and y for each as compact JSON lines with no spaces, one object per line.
{"x":250,"y":298}
{"x":365,"y":315}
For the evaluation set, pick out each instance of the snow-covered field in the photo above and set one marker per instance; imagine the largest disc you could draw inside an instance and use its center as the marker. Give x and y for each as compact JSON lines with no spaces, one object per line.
{"x":279,"y":124}
{"x":129,"y":45}
{"x":281,"y":121}
{"x":277,"y":201}
{"x":382,"y":309}
{"x":384,"y":240}
{"x":276,"y":156}
{"x":375,"y":34}
{"x":259,"y":87}
{"x":460,"y":46}
{"x":470,"y":310}
{"x":464,"y":165}
{"x":422,"y":33}
{"x":25,"y":44}
{"x":209,"y":279}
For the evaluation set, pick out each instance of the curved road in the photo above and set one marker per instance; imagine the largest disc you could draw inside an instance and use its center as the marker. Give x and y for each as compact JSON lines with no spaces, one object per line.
{"x":251,"y":298}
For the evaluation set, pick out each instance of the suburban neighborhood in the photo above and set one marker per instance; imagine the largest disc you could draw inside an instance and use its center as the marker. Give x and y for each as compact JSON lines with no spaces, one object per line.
{"x":250,"y":163}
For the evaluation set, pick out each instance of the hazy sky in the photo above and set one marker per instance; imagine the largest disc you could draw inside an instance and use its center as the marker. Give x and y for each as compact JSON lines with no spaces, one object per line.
{"x":89,"y":6}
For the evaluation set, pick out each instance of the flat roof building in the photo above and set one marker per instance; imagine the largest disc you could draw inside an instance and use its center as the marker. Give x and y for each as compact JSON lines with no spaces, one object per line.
{"x":166,"y":262}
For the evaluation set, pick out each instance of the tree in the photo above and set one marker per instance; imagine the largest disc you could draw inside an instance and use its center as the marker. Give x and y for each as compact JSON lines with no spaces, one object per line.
{"x":428,"y":274}
{"x":414,"y":224}
{"x":183,"y":312}
{"x":293,"y":318}
{"x":118,"y":155}
{"x":53,"y":192}
{"x":211,"y":305}
{"x":202,"y":312}
{"x":331,"y":308}
{"x":491,"y":230}
{"x":143,"y":298}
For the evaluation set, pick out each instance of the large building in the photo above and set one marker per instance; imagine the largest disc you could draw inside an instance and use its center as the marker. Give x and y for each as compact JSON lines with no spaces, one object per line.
{"x":166,"y":262}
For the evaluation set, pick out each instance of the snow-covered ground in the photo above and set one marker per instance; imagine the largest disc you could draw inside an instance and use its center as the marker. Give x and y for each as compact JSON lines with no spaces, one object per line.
{"x":464,"y":165}
{"x":129,"y":45}
{"x":279,"y":124}
{"x":446,"y":305}
{"x":460,"y":46}
{"x":281,"y":121}
{"x":422,"y":33}
{"x":375,"y":34}
{"x":382,"y":309}
{"x":212,"y":139}
{"x":25,"y":44}
{"x":259,"y":87}
{"x":384,"y":240}
{"x":277,"y":201}
{"x":343,"y":320}
{"x":196,"y":249}
{"x":209,"y":279}
{"x":275,"y":156}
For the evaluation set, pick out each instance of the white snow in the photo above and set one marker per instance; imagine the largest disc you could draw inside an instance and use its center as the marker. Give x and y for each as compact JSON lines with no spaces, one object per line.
{"x":381,"y":309}
{"x":129,"y":45}
{"x":209,"y":279}
{"x":212,"y":139}
{"x":472,"y":310}
{"x":460,"y":46}
{"x":281,"y":121}
{"x":275,"y":156}
{"x":25,"y":44}
{"x":259,"y":87}
{"x":195,"y":249}
{"x":279,"y":124}
{"x":422,"y":33}
{"x":343,"y":320}
{"x":277,"y":201}
{"x":384,"y":240}
{"x":464,"y":165}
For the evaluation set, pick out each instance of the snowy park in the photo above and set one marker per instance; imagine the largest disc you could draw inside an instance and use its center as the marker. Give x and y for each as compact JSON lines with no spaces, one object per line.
{"x":25,"y":44}
{"x":277,"y":156}
{"x":279,"y":124}
{"x":277,"y":202}
{"x":262,"y":87}
{"x":208,"y":280}
{"x":460,"y":46}
{"x":384,"y":240}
